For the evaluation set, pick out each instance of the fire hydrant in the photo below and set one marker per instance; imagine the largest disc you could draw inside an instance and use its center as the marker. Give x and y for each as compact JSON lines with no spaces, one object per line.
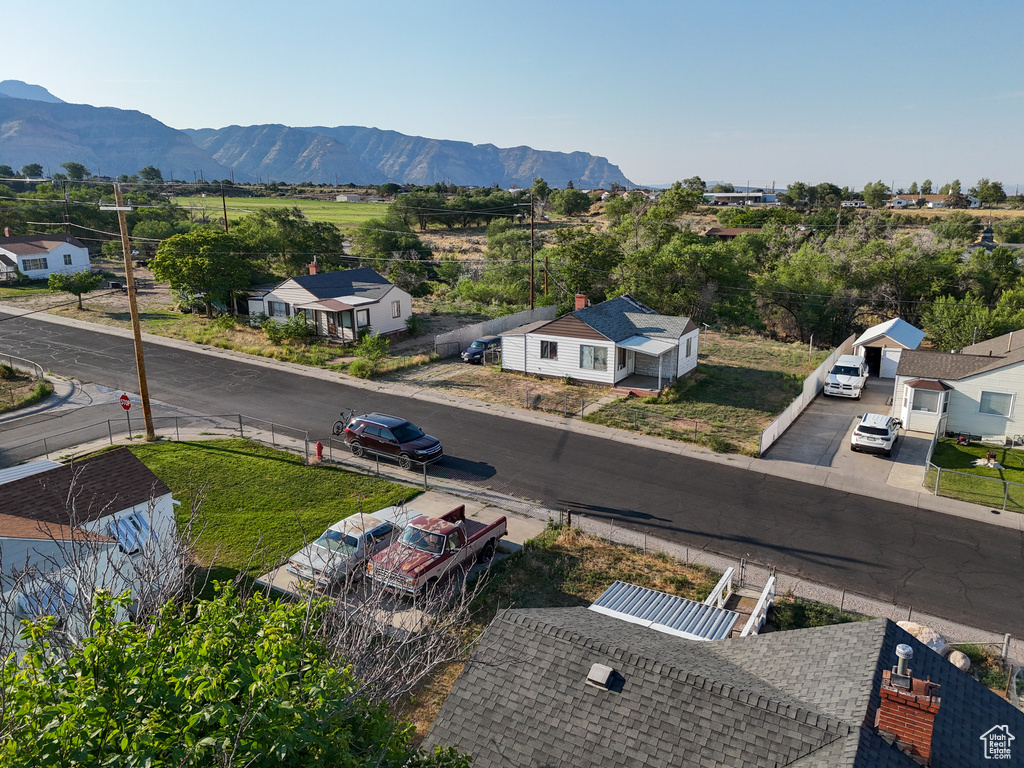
{"x":319,"y":451}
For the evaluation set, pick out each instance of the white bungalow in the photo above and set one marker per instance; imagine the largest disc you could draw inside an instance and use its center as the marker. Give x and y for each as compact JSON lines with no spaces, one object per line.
{"x":338,"y":304}
{"x":39,"y":256}
{"x":617,"y":342}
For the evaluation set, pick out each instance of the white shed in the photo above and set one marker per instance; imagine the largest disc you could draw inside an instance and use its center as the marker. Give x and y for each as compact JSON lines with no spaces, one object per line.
{"x":881,"y":345}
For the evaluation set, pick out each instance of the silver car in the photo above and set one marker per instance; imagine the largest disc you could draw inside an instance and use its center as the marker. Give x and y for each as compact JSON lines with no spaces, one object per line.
{"x":340,"y":554}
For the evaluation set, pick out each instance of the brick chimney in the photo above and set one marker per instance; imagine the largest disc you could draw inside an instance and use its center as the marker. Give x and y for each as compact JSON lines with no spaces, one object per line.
{"x":906,"y":714}
{"x":581,"y":301}
{"x":313,"y":267}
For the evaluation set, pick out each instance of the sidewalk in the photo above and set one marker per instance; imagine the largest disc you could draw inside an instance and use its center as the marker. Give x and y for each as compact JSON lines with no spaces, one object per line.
{"x":910,"y":496}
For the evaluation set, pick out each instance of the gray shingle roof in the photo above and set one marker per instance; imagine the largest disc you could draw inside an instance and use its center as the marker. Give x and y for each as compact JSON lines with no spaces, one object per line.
{"x":622,"y":317}
{"x":803,"y":698}
{"x":945,"y":365}
{"x":363,"y":282}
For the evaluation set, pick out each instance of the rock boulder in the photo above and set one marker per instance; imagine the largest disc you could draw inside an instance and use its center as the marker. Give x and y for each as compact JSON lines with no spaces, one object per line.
{"x":928,"y":636}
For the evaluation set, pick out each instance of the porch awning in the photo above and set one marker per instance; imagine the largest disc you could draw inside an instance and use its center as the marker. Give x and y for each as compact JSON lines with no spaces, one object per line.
{"x":644,"y":345}
{"x":330,"y":305}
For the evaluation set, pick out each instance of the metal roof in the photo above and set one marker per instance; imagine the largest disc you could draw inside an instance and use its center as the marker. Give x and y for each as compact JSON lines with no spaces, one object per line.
{"x":665,"y":613}
{"x":26,"y":470}
{"x":654,"y":347}
{"x":897,"y":330}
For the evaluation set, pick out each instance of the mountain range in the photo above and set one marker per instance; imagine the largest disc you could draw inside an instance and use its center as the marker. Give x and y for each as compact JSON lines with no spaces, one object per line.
{"x":37,"y":127}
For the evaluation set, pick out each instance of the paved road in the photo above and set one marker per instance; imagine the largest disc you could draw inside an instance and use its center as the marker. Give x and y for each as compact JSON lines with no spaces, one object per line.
{"x":936,"y":563}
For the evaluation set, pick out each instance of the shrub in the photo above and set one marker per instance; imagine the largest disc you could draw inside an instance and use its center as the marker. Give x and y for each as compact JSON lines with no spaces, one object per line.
{"x":292,"y":329}
{"x":373,"y":350}
{"x":7,"y":372}
{"x":413,"y":325}
{"x":360,"y":369}
{"x":224,"y":323}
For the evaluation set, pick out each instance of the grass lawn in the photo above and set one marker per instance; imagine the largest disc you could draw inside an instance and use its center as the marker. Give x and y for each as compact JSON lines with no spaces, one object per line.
{"x":342,"y":215}
{"x":258,"y":505}
{"x":30,"y":288}
{"x":18,"y":389}
{"x":740,"y":385}
{"x":980,"y":485}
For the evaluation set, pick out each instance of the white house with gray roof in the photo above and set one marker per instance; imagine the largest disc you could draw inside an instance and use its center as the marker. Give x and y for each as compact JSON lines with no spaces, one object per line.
{"x":606,"y":344}
{"x":338,"y":305}
{"x":39,"y":256}
{"x":976,"y":391}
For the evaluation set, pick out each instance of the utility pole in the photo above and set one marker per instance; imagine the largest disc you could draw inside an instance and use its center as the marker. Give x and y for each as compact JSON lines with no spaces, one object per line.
{"x":224,"y":203}
{"x":133,"y":306}
{"x":531,"y":252}
{"x":67,"y":208}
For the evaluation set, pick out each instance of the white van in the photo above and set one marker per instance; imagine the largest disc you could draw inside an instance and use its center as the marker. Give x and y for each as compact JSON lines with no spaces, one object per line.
{"x":848,"y":377}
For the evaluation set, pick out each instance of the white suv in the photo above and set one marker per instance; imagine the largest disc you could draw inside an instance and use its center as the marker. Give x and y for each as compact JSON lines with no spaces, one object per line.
{"x":875,"y":433}
{"x":848,"y":377}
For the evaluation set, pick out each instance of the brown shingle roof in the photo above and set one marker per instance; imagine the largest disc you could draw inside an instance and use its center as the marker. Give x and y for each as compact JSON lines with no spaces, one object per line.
{"x":945,"y":365}
{"x":30,"y":245}
{"x":938,"y":386}
{"x":93,"y":488}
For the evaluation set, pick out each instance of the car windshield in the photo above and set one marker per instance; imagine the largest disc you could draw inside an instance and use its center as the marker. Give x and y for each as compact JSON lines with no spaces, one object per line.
{"x":845,"y":370}
{"x":338,"y":541}
{"x":477,"y":344}
{"x":873,"y":431}
{"x":425,"y":540}
{"x":406,"y":432}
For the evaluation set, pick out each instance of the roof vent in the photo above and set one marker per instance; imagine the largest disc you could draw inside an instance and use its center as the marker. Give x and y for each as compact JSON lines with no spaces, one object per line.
{"x":901,"y":675}
{"x":600,"y":676}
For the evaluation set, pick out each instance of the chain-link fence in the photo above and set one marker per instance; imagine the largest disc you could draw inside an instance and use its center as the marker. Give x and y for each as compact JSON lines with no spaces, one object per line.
{"x":977,"y":489}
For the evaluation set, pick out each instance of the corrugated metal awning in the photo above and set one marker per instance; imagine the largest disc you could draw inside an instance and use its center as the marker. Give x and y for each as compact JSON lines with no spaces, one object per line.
{"x":656,"y":347}
{"x":665,"y":613}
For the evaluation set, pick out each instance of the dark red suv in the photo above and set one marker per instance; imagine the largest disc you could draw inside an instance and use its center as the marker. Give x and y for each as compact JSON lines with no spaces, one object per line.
{"x":378,"y":433}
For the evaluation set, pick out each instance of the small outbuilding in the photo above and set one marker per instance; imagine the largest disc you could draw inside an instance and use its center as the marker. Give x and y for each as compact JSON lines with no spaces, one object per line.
{"x":881,"y":346}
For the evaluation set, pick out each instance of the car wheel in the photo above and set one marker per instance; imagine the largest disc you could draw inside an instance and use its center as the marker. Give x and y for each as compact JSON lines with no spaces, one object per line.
{"x":405,"y":461}
{"x":487,"y":552}
{"x":357,"y":449}
{"x":339,"y":427}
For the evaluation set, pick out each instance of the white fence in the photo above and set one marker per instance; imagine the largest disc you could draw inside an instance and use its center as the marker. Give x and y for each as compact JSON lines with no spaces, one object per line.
{"x":21,"y":364}
{"x":812,"y":386}
{"x":451,"y":343}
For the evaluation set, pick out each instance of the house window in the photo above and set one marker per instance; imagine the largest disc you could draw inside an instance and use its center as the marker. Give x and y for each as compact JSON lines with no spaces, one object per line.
{"x":396,"y":309}
{"x":67,"y":259}
{"x":48,"y":599}
{"x":131,"y":531}
{"x":362,"y":318}
{"x":593,"y":358}
{"x":28,"y":265}
{"x":689,"y":347}
{"x":996,"y":403}
{"x":926,"y":401}
{"x":620,"y":358}
{"x":549,"y":350}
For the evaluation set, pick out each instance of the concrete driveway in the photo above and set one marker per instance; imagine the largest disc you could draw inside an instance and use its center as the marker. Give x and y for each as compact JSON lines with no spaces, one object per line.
{"x":821,"y":436}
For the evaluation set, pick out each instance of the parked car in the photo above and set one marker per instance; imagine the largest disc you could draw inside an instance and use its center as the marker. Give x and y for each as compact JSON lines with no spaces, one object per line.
{"x":340,"y":554}
{"x":378,"y":433}
{"x":432,"y":548}
{"x":876,"y":432}
{"x":848,"y":377}
{"x":477,"y":351}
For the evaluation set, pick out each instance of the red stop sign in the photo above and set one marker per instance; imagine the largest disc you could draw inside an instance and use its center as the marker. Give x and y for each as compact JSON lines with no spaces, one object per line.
{"x":126,"y":402}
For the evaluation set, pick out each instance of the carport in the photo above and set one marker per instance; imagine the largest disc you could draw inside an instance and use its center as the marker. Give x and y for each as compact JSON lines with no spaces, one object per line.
{"x":881,"y":346}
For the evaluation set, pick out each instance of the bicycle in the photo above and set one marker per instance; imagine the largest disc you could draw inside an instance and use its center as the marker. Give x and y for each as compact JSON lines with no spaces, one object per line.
{"x":344,"y":421}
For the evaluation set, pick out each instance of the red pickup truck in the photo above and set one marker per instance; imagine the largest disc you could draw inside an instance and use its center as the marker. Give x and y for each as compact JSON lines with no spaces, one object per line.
{"x":432,"y":547}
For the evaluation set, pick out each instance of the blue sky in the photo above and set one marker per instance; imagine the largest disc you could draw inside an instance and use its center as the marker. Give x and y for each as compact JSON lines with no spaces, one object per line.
{"x":743,"y":91}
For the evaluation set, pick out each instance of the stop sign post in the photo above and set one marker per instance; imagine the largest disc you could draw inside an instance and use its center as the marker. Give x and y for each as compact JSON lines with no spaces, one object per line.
{"x":126,"y":403}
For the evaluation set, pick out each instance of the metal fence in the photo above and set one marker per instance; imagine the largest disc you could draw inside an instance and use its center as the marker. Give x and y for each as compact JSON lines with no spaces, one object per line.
{"x":991,"y":492}
{"x":812,"y":386}
{"x":21,"y":364}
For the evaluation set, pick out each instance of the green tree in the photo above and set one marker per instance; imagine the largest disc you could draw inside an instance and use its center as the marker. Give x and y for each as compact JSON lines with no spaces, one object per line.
{"x":1009,"y":230}
{"x":284,"y":237}
{"x":953,"y":324}
{"x":696,"y":184}
{"x":32,"y":171}
{"x":228,"y":682}
{"x":926,"y":187}
{"x":75,"y":171}
{"x":202,"y":265}
{"x":151,"y":173}
{"x":569,"y":202}
{"x":989,"y":192}
{"x":913,"y":188}
{"x":389,"y":246}
{"x":720,"y":187}
{"x":6,"y":172}
{"x":957,"y":228}
{"x":876,"y":194}
{"x":75,"y":283}
{"x":585,"y":261}
{"x":540,"y":190}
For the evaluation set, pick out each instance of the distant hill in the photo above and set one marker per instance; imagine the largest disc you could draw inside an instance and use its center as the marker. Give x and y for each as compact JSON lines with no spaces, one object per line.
{"x":16,"y":89}
{"x":37,"y":127}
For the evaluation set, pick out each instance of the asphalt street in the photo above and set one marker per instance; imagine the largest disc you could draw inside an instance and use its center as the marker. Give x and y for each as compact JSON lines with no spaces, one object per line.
{"x":935,"y":563}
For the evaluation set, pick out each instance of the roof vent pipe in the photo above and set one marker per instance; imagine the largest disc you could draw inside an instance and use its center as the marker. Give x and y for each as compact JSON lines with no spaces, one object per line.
{"x":905,"y":653}
{"x":1009,"y":341}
